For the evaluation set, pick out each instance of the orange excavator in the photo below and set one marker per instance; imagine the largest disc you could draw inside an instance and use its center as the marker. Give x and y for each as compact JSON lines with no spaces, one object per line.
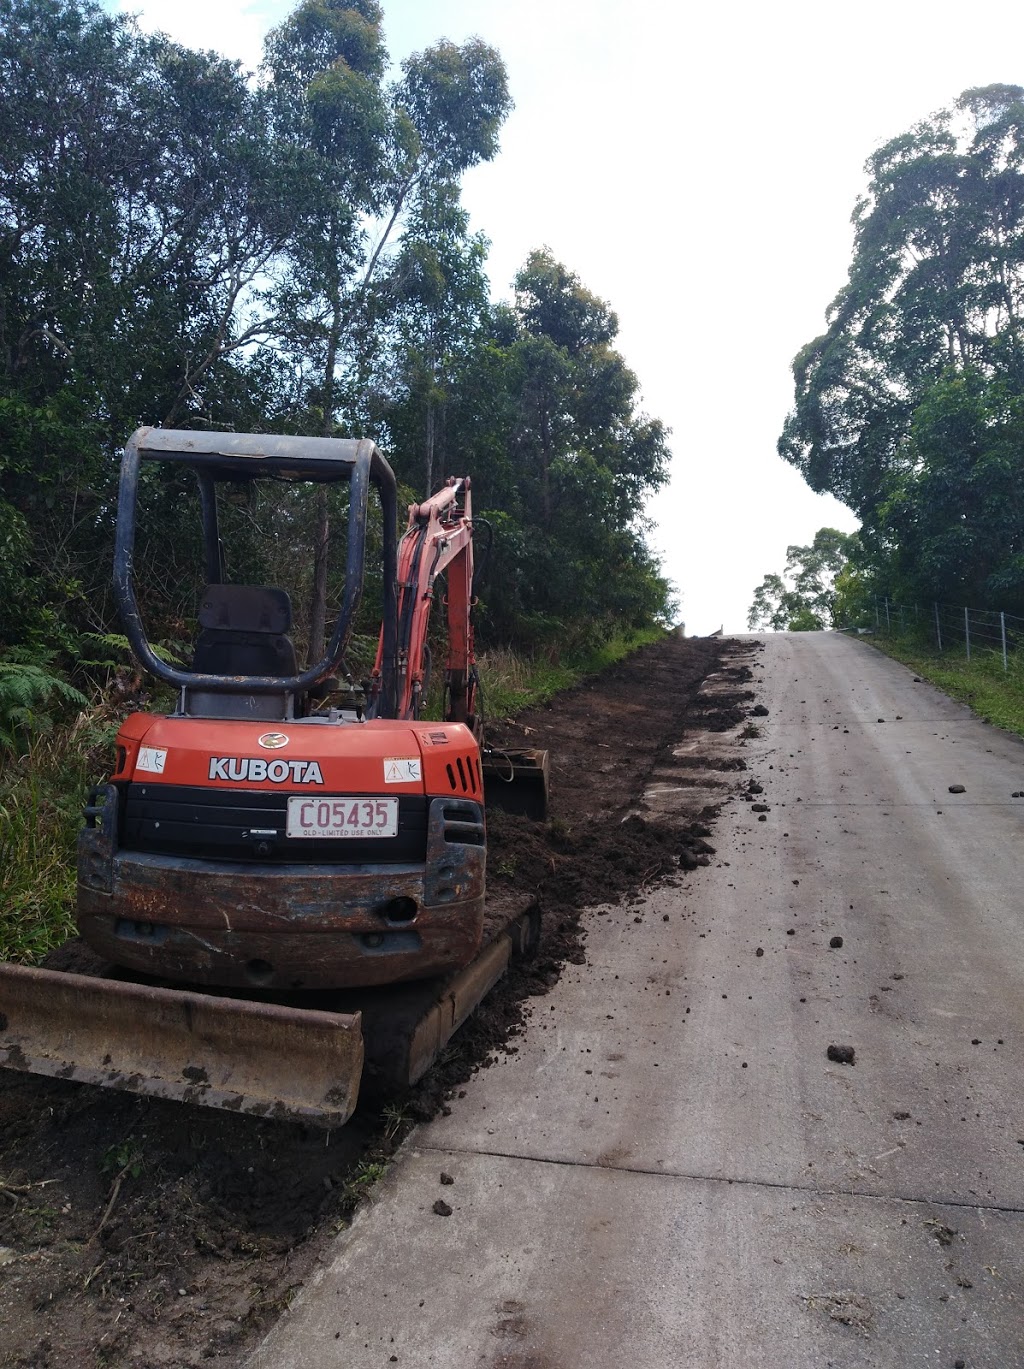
{"x":285,"y":873}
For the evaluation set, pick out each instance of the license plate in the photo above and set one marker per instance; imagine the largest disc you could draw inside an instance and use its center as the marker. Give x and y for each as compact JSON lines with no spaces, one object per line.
{"x":315,"y":817}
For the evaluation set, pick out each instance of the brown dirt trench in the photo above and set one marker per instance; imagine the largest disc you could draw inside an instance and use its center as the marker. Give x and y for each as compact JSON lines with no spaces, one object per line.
{"x":140,"y":1233}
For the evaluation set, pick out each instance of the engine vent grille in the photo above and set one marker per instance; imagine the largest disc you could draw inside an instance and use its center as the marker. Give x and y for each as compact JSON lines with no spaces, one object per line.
{"x":464,"y":775}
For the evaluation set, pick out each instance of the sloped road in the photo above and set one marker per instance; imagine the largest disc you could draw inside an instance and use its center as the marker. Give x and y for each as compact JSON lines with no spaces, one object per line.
{"x":670,"y":1171}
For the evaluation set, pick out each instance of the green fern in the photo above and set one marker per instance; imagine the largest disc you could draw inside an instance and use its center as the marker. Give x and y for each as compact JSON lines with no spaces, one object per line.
{"x":111,"y":648}
{"x":28,"y":691}
{"x":173,"y":653}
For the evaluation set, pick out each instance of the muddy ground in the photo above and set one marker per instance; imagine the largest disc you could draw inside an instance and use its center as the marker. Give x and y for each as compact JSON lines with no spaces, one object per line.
{"x":140,"y":1233}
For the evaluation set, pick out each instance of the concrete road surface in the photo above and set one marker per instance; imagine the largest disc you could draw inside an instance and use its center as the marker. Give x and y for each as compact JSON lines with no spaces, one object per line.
{"x":670,"y":1172}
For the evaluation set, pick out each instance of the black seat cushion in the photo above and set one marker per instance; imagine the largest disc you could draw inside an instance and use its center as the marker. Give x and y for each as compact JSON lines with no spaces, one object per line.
{"x":244,"y":632}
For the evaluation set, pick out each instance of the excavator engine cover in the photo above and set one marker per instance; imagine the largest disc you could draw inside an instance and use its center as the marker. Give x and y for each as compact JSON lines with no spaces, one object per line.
{"x":315,"y":854}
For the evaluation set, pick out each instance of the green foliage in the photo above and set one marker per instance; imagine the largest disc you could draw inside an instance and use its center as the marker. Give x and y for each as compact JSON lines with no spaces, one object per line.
{"x":806,"y":620}
{"x":41,"y":795}
{"x":124,"y":1159}
{"x":140,"y":198}
{"x":457,"y":100}
{"x":541,"y":410}
{"x":981,"y":683}
{"x":956,"y":521}
{"x":853,"y":597}
{"x":29,"y":694}
{"x":180,"y":246}
{"x":43,"y":784}
{"x":513,"y":682}
{"x":820,"y":588}
{"x":910,"y":407}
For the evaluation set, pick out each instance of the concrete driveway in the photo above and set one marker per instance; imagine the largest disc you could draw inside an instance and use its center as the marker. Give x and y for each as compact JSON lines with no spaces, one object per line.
{"x":671,"y":1171}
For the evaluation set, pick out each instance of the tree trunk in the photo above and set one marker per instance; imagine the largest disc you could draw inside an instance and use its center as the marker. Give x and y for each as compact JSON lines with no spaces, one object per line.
{"x":322,"y":532}
{"x":429,"y":463}
{"x":318,"y":596}
{"x":545,"y":438}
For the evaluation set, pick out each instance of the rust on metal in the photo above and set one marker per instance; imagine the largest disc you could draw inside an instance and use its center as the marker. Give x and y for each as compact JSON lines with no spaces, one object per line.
{"x":294,"y":924}
{"x":287,"y":926}
{"x":406,"y":1026}
{"x":258,"y":1058}
{"x":458,"y":999}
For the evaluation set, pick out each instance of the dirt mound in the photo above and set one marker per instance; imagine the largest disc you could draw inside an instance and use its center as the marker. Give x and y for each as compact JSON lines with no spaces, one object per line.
{"x":141,"y":1233}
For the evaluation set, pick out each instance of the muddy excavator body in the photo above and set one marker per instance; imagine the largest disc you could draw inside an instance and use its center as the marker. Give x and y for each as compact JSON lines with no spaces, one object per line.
{"x":278,"y":834}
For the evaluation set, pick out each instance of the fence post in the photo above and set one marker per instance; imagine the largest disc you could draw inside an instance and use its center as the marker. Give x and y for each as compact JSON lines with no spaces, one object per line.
{"x":967,"y":631}
{"x":901,"y":620}
{"x":888,"y":623}
{"x":1002,"y":624}
{"x":938,"y":626}
{"x":877,"y":623}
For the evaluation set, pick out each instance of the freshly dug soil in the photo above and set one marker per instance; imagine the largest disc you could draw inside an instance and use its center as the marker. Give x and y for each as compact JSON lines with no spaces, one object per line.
{"x":140,"y":1233}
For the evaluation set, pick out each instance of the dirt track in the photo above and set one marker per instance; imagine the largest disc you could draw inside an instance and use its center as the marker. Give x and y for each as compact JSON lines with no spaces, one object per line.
{"x":139,"y":1233}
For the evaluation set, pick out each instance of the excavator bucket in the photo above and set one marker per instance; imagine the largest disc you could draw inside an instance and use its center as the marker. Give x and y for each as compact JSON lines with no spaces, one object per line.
{"x":517,"y":781}
{"x":258,"y":1058}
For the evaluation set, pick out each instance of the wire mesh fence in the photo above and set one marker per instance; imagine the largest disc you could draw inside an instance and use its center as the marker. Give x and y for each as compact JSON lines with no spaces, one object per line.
{"x":949,"y":627}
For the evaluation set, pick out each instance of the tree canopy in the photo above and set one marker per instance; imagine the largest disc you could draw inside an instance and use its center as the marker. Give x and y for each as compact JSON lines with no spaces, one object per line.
{"x":183,"y":245}
{"x":810,"y":597}
{"x":908,"y":408}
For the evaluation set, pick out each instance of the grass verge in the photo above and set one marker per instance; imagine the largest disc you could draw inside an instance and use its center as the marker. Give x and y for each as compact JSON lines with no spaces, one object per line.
{"x":41,"y":796}
{"x":980,"y":682}
{"x":511,"y":683}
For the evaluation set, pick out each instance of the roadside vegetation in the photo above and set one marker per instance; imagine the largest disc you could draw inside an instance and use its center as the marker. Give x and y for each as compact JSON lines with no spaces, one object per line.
{"x":512,"y":683}
{"x":41,"y":796}
{"x":909,"y":407}
{"x":981,"y":683}
{"x":190,"y":245}
{"x":812,"y":593}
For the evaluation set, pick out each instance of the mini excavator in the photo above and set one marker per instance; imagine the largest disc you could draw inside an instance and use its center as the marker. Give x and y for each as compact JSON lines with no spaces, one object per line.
{"x":284,"y":861}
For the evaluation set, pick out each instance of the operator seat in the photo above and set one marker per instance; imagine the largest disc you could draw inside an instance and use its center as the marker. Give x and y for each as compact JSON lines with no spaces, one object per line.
{"x":243,"y":631}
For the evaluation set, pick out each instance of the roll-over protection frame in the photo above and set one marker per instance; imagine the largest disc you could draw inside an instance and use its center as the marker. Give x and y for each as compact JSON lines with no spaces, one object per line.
{"x":217,"y":456}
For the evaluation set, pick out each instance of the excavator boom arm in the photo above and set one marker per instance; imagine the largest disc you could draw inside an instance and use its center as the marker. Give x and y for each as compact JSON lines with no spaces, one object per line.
{"x":438,"y":540}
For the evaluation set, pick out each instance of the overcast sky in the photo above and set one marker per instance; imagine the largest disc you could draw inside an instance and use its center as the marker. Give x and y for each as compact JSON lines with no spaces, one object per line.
{"x":697,"y":167}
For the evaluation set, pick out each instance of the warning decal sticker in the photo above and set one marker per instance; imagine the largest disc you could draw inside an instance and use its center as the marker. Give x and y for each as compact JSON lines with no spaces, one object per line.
{"x":151,"y":758}
{"x":402,"y":770}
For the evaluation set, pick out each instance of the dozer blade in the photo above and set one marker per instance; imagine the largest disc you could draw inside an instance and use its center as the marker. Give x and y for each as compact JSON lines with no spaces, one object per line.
{"x":517,"y":781}
{"x":259,"y":1058}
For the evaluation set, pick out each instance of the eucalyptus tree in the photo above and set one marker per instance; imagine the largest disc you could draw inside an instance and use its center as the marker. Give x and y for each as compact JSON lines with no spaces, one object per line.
{"x":805,"y":598}
{"x":936,"y":282}
{"x":372,"y":148}
{"x":932,"y":311}
{"x":570,"y":460}
{"x":138,"y":206}
{"x":954,"y":525}
{"x":429,"y":309}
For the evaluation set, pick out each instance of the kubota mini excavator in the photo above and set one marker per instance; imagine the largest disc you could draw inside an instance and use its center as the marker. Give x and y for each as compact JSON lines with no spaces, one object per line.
{"x":274,"y":834}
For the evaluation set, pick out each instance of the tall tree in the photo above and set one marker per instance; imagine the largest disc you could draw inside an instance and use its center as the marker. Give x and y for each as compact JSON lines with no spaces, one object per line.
{"x":138,"y":204}
{"x":378,"y":148}
{"x":932,"y":311}
{"x":431,"y":303}
{"x":954,"y":524}
{"x":806,"y":599}
{"x":573,"y":460}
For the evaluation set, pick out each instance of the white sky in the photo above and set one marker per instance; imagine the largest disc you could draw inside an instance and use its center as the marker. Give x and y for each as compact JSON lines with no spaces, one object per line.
{"x":696,"y":166}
